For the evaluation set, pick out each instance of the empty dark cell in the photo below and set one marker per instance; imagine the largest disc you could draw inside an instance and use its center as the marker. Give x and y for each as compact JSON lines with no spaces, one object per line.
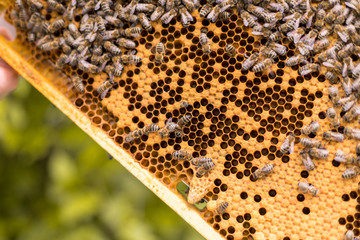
{"x":223,"y":188}
{"x":306,"y":210}
{"x":322,"y":115}
{"x":262,"y":211}
{"x":345,"y":197}
{"x":350,"y":218}
{"x":342,"y":221}
{"x":304,"y":174}
{"x":353,"y":194}
{"x":272,"y":193}
{"x":247,"y":216}
{"x":300,"y":197}
{"x":257,"y":198}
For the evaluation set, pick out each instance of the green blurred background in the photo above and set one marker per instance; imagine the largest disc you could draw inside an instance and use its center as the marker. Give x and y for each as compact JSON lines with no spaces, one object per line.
{"x":57,"y":183}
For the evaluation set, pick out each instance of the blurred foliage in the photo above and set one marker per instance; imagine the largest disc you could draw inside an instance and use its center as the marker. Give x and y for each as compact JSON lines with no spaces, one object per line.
{"x":57,"y":183}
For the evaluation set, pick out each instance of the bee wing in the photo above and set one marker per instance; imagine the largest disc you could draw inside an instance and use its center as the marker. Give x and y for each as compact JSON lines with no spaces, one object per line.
{"x":97,"y":6}
{"x":342,"y":36}
{"x":291,"y":149}
{"x":309,"y":22}
{"x":103,"y":95}
{"x":168,"y":121}
{"x":305,"y":72}
{"x":184,"y":19}
{"x":327,"y":64}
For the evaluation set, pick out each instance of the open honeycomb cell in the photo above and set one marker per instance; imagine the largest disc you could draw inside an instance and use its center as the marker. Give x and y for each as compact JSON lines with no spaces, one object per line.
{"x":238,"y":118}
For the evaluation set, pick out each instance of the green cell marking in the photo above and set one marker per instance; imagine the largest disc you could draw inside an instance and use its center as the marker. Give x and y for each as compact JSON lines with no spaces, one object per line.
{"x":183,"y":189}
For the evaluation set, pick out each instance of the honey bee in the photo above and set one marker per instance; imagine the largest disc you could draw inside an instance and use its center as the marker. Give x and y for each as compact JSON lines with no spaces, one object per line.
{"x":334,"y":97}
{"x":278,"y":48}
{"x":204,"y":162}
{"x":168,"y":16}
{"x":357,"y":149}
{"x":150,"y":128}
{"x":189,"y":4}
{"x":87,"y":67}
{"x":273,"y":17}
{"x":128,"y":17}
{"x":130,"y":59}
{"x":126,"y":43}
{"x":131,"y":7}
{"x":230,"y":49}
{"x":318,"y":153}
{"x":183,"y":121}
{"x":340,"y":156}
{"x":169,"y":128}
{"x":200,"y":172}
{"x":98,"y":60}
{"x":145,"y":22}
{"x":346,"y":84}
{"x":221,"y":208}
{"x":354,"y":36}
{"x":308,"y":142}
{"x":145,"y":7}
{"x":308,"y":188}
{"x":181,"y":155}
{"x":347,"y":103}
{"x":78,"y":83}
{"x":184,"y":104}
{"x":74,"y":31}
{"x":264,"y":171}
{"x":268,"y":52}
{"x":256,"y":10}
{"x":112,"y":48}
{"x":53,"y":4}
{"x":214,"y":13}
{"x":248,"y":63}
{"x":349,"y":235}
{"x":288,"y":145}
{"x":342,"y":33}
{"x":306,"y":160}
{"x":276,"y":36}
{"x":352,"y":133}
{"x":34,"y":19}
{"x":292,"y":23}
{"x":159,"y":11}
{"x":159,"y":53}
{"x":118,"y":68}
{"x":333,"y":136}
{"x":131,"y":32}
{"x":352,"y":113}
{"x":61,"y":61}
{"x":248,"y":19}
{"x":170,"y":4}
{"x":88,"y":7}
{"x":204,"y":41}
{"x":333,"y":118}
{"x":261,"y":66}
{"x":295,"y":60}
{"x":110,"y":35}
{"x":50,"y":46}
{"x":313,"y":127}
{"x":137,"y":133}
{"x":325,"y":32}
{"x":104,"y":88}
{"x":350,"y":173}
{"x":295,"y":35}
{"x":303,"y":49}
{"x":69,"y":13}
{"x":332,"y":77}
{"x":309,"y":68}
{"x":320,"y":19}
{"x":224,"y":16}
{"x":321,"y":44}
{"x":186,"y":17}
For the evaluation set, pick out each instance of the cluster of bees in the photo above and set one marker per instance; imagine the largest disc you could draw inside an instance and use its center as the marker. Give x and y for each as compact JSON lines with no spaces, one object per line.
{"x":170,"y":127}
{"x":103,"y":41}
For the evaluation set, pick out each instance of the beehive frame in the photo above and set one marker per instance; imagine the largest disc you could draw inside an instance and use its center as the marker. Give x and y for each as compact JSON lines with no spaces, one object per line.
{"x":35,"y":78}
{"x":278,"y":104}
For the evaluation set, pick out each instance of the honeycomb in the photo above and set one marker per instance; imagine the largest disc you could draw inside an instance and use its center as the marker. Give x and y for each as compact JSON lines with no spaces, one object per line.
{"x":238,"y":118}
